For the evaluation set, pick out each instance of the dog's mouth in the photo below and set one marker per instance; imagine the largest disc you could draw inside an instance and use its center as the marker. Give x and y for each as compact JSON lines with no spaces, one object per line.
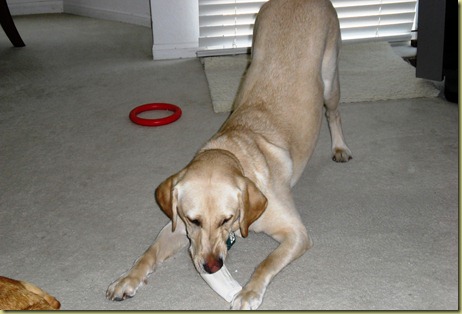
{"x":209,"y":264}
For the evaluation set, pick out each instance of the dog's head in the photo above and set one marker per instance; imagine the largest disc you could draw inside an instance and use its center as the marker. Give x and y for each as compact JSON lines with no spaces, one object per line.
{"x":212,"y":197}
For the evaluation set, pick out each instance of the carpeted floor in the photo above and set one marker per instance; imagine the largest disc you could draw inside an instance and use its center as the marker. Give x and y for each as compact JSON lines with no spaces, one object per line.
{"x":77,"y":181}
{"x":368,"y":72}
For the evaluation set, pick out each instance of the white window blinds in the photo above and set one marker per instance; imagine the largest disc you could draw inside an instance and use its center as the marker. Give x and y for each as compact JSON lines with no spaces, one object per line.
{"x":226,"y":25}
{"x":389,"y":20}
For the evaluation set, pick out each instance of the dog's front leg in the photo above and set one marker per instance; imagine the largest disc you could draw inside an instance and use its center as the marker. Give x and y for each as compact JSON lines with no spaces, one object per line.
{"x":166,"y":244}
{"x":293,"y":243}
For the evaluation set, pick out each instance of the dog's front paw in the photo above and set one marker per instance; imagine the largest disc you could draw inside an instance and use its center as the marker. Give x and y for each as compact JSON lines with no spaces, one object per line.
{"x":123,"y":288}
{"x":247,"y":300}
{"x":341,"y":154}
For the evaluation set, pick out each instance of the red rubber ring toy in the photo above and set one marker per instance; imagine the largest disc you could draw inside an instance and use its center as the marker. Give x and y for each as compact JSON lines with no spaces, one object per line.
{"x":155,"y":122}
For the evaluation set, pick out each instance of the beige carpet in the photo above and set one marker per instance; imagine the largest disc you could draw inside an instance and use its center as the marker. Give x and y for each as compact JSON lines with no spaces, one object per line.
{"x":77,"y":179}
{"x":368,"y":72}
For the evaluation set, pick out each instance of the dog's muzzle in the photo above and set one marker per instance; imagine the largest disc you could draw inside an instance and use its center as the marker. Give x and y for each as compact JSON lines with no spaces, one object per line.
{"x":212,"y":264}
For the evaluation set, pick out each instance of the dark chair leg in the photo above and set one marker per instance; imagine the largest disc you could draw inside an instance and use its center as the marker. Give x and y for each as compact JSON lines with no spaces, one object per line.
{"x":8,"y":25}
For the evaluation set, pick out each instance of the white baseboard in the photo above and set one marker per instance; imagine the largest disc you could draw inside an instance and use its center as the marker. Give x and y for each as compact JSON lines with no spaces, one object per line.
{"x":25,"y":7}
{"x":178,"y":51}
{"x":108,"y":14}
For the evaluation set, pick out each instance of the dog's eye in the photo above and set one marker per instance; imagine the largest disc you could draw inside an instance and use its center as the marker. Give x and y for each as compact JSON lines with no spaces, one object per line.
{"x":226,"y":220}
{"x":195,"y":222}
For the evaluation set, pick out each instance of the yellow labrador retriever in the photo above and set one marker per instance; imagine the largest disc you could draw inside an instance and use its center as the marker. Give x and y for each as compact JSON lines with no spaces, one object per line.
{"x":241,"y":179}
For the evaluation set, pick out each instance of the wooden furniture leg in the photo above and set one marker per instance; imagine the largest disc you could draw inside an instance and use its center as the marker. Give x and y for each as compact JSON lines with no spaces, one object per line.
{"x":8,"y":25}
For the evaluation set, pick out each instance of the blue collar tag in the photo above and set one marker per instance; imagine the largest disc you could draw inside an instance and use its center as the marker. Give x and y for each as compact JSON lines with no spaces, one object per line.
{"x":231,"y":240}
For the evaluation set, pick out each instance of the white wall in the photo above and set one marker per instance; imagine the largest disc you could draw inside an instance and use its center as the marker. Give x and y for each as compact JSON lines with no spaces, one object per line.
{"x":23,"y":7}
{"x":175,"y":25}
{"x":133,"y":11}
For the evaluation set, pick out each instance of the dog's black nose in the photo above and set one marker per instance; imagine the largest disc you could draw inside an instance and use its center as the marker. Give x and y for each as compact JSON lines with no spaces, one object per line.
{"x":212,"y":265}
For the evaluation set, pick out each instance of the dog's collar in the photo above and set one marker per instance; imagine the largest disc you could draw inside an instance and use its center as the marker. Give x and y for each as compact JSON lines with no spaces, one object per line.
{"x":231,"y":240}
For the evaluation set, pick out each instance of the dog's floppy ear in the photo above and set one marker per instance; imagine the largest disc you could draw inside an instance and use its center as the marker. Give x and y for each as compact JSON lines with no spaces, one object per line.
{"x":167,"y":197}
{"x":253,"y":204}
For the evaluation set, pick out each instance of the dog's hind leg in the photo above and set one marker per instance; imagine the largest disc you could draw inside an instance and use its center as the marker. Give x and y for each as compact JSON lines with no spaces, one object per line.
{"x":330,"y":77}
{"x":167,"y":243}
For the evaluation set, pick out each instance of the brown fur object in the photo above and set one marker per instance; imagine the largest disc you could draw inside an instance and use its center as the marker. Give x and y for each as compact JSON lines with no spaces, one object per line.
{"x":21,"y":295}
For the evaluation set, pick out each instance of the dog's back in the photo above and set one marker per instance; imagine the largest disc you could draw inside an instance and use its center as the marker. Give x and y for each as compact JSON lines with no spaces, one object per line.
{"x":282,"y":96}
{"x":288,"y":33}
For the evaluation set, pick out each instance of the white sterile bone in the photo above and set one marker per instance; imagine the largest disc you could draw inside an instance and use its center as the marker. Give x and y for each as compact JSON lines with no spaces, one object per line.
{"x":223,"y":283}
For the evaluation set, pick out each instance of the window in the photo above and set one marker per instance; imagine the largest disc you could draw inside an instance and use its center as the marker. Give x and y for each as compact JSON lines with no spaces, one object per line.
{"x":226,"y":25}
